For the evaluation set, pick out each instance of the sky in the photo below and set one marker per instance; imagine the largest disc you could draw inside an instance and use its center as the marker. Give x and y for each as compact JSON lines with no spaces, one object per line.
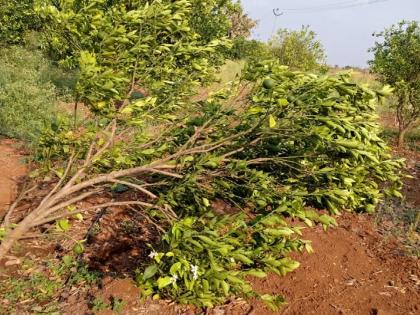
{"x":344,"y":27}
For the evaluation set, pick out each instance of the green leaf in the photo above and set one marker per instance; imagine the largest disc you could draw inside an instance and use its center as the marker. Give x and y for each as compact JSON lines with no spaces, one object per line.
{"x":67,"y":260}
{"x":78,"y":217}
{"x":163,"y":282}
{"x":225,"y":287}
{"x":272,"y":121}
{"x":206,"y":202}
{"x":255,"y":110}
{"x":63,"y":225}
{"x":148,"y":151}
{"x":256,"y":273}
{"x":150,"y":271}
{"x":175,"y":267}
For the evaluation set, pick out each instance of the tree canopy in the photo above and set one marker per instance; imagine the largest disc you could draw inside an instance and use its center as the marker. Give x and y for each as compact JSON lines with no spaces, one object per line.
{"x":298,"y":49}
{"x":397,"y":62}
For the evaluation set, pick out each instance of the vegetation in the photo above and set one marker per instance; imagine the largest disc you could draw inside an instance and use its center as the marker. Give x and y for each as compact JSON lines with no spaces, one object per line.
{"x":397,"y":62}
{"x":161,"y":54}
{"x":213,"y":19}
{"x":218,"y":178}
{"x":246,"y":49}
{"x":27,"y":98}
{"x":16,"y":17}
{"x":283,"y":150}
{"x":298,"y":49}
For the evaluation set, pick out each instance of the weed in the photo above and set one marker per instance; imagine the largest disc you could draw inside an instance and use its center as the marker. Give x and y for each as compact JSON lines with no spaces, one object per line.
{"x":117,"y":304}
{"x":128,"y":226}
{"x":37,"y":287}
{"x":99,"y":305}
{"x":400,"y":219}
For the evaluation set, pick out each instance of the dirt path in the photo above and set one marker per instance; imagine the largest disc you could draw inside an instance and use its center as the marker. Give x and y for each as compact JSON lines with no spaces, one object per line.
{"x":11,"y":168}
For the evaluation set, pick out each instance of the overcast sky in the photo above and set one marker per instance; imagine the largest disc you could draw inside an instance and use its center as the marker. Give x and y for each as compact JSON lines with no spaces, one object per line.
{"x":345,"y":32}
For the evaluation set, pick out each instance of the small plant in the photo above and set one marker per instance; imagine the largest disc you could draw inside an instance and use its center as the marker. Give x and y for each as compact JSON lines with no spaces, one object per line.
{"x":98,"y":305}
{"x":128,"y":226}
{"x":117,"y":305}
{"x":37,"y":287}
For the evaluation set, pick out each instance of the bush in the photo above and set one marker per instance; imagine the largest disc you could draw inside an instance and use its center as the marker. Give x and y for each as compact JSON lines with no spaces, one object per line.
{"x":16,"y":17}
{"x":27,"y":97}
{"x":249,"y":49}
{"x":298,"y":49}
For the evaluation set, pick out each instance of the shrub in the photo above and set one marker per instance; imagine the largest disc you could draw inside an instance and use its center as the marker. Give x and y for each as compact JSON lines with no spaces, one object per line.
{"x":27,"y":98}
{"x":298,"y":49}
{"x":249,"y":49}
{"x":16,"y":17}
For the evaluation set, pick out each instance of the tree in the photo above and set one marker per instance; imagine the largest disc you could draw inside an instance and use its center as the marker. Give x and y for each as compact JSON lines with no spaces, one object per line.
{"x":120,"y":44}
{"x":218,"y":18}
{"x":397,"y":62}
{"x":16,"y":17}
{"x":298,"y":49}
{"x":241,"y":23}
{"x":249,"y":49}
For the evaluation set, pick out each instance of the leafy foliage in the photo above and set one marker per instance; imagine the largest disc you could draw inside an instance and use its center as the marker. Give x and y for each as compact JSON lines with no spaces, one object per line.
{"x":208,"y":258}
{"x":306,"y":141}
{"x":397,"y":62}
{"x":117,"y":47}
{"x":213,"y":19}
{"x":301,"y":142}
{"x":16,"y":17}
{"x":249,"y":50}
{"x":298,"y":49}
{"x":218,"y":179}
{"x":27,"y":98}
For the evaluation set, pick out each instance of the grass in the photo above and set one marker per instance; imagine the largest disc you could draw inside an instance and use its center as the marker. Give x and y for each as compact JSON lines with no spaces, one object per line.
{"x":36,"y":292}
{"x":401,"y":220}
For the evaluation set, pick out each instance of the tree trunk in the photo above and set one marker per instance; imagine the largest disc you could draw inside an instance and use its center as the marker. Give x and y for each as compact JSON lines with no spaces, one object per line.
{"x":401,"y":137}
{"x":16,"y":234}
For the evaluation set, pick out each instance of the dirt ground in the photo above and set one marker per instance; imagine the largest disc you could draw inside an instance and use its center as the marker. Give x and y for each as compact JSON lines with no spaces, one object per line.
{"x":11,"y":168}
{"x":354,"y":269}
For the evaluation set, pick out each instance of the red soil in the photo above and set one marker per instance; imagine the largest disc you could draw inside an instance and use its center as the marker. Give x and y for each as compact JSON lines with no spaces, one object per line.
{"x":11,"y":168}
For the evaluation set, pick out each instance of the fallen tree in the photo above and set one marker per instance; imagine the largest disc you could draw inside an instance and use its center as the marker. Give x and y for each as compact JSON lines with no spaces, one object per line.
{"x":299,"y":142}
{"x":294,"y":145}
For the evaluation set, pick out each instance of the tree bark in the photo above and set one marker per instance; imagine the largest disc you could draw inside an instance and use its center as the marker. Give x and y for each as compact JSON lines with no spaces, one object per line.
{"x":401,"y":137}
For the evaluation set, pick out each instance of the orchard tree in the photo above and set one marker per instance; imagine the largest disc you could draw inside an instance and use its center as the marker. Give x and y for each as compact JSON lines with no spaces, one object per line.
{"x":16,"y":17}
{"x":298,"y":49}
{"x":218,"y":18}
{"x":249,"y":49}
{"x":120,"y":44}
{"x":397,"y":62}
